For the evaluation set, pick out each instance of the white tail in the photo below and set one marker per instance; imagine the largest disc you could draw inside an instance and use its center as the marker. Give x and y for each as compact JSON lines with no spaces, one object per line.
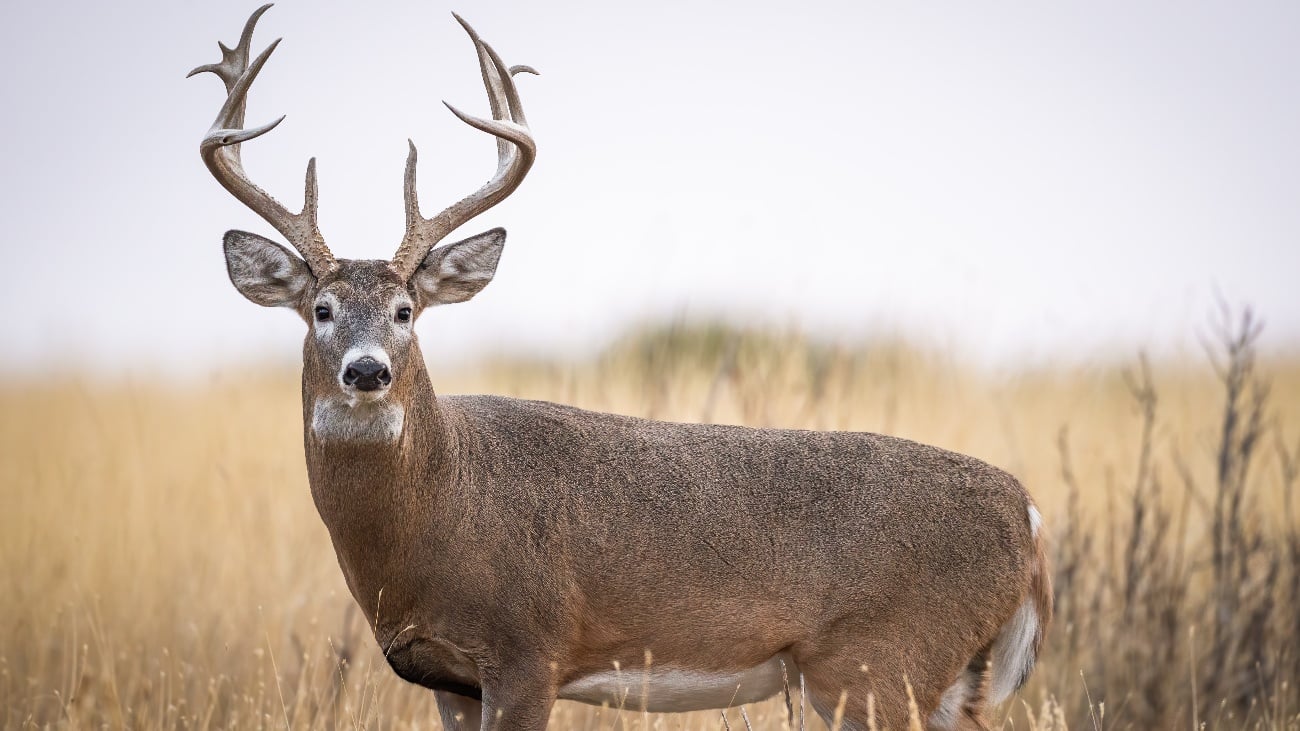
{"x":1016,"y":649}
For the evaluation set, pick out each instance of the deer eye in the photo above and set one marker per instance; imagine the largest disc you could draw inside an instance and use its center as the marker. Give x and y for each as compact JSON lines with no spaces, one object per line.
{"x":404,"y":314}
{"x":323,"y":314}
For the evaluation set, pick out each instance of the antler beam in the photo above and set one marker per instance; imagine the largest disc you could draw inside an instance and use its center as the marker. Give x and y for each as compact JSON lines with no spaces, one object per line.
{"x":515,"y":154}
{"x":220,"y":152}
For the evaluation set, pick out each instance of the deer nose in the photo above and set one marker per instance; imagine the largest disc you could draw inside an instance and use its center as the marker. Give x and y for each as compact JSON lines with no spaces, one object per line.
{"x":367,"y":374}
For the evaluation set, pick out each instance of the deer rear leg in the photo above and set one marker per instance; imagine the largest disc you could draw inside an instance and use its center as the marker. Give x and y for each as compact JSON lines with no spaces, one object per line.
{"x":881,"y":700}
{"x":961,"y":707}
{"x":885,"y":704}
{"x":867,"y":669}
{"x":964,"y":722}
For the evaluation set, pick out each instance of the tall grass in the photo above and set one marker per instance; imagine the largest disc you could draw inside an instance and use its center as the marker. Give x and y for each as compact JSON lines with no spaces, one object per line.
{"x":161,"y":563}
{"x":1182,"y":608}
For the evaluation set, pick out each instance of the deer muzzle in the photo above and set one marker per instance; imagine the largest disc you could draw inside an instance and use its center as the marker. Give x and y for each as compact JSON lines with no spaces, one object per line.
{"x":367,"y":374}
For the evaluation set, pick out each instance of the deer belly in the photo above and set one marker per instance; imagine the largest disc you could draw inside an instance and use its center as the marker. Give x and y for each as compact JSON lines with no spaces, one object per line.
{"x":670,"y":690}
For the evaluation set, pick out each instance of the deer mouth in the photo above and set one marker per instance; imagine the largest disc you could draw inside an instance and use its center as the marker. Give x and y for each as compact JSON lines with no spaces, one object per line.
{"x":360,"y":397}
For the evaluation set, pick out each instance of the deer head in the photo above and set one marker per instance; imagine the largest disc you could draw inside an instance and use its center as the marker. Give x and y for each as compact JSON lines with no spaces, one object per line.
{"x":361,"y":355}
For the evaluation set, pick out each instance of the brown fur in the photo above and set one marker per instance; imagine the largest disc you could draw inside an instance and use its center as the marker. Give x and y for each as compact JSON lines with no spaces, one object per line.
{"x":505,"y":547}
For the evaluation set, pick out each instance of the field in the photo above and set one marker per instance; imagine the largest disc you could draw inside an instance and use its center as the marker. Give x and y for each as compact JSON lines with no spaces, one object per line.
{"x":162,"y":564}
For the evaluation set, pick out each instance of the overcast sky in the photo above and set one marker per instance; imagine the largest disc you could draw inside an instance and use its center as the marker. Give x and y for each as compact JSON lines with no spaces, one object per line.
{"x":1012,"y":180}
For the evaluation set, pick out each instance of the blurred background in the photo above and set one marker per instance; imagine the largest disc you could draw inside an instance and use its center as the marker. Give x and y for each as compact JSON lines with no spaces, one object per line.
{"x":1018,"y":182}
{"x":1060,"y":238}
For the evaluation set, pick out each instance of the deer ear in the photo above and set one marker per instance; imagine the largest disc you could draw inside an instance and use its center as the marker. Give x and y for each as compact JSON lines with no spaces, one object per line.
{"x":264,"y":271}
{"x":456,"y":272}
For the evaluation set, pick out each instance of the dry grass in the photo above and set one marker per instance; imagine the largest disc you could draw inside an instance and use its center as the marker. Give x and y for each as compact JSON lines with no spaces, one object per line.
{"x":161,"y":563}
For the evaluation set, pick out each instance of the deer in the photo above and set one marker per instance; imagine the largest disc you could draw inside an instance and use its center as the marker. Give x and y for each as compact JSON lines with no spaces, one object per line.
{"x":510,"y":553}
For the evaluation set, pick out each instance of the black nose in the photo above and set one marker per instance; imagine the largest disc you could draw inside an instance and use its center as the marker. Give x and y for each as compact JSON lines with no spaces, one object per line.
{"x":367,"y":374}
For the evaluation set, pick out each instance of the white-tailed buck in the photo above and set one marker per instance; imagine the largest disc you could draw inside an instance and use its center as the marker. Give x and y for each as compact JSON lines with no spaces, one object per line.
{"x":528,"y":551}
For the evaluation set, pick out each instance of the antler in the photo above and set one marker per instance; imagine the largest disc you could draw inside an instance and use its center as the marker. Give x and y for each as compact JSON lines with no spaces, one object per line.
{"x":515,"y":154}
{"x":220,"y":151}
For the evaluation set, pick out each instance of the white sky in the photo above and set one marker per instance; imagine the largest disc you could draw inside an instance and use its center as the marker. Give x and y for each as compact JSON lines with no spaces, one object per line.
{"x":1012,"y":180}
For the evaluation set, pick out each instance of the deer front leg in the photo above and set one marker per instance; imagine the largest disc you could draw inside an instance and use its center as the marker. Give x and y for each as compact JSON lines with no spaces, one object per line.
{"x":519,"y":700}
{"x":458,"y":712}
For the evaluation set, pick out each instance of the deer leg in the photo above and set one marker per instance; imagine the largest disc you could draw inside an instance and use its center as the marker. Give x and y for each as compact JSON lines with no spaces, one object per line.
{"x":520,"y":701}
{"x":862,"y":681}
{"x":834,"y":690}
{"x":458,"y":712}
{"x":961,"y":707}
{"x":973,"y":721}
{"x":860,"y":657}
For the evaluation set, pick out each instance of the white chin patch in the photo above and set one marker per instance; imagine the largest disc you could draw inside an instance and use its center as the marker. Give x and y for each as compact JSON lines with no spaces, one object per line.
{"x":343,"y":419}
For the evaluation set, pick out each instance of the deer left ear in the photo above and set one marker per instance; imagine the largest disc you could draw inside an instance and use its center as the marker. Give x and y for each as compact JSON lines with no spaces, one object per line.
{"x":456,"y":272}
{"x":265,"y":272}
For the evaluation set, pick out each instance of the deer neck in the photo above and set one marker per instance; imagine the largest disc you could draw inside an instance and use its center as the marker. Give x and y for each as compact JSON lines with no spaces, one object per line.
{"x":379,"y":477}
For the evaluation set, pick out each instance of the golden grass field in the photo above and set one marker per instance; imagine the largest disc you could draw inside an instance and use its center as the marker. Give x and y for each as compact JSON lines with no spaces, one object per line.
{"x":162,"y":564}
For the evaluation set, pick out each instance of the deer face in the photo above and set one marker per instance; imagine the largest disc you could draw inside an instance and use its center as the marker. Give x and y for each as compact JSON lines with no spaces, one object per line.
{"x":361,"y":356}
{"x":360,"y":347}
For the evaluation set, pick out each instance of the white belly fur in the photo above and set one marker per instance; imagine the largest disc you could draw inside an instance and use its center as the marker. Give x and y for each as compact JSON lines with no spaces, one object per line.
{"x":670,"y":690}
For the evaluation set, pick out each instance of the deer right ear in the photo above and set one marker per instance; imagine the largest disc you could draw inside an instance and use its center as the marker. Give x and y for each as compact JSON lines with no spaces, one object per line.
{"x":264,"y":271}
{"x":456,"y":272}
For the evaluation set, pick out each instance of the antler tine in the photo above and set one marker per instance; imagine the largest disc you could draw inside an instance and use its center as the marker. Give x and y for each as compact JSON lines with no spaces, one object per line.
{"x":234,"y":61}
{"x":220,"y":150}
{"x":516,"y":151}
{"x":491,"y":78}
